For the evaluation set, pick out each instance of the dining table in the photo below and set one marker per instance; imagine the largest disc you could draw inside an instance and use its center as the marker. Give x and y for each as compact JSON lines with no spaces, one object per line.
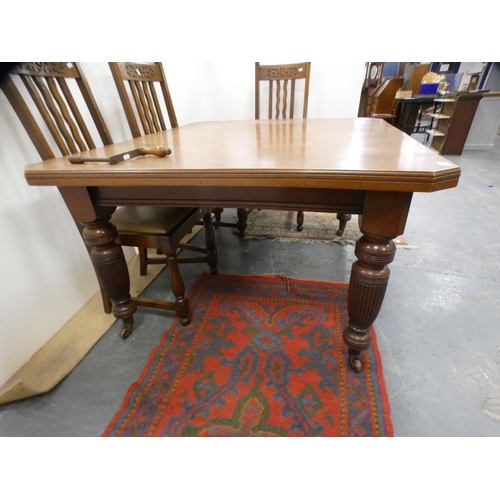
{"x":362,"y":166}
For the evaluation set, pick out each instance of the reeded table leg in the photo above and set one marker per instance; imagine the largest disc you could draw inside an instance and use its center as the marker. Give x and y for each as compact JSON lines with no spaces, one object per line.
{"x":111,"y":269}
{"x":383,"y":219}
{"x":369,"y":278}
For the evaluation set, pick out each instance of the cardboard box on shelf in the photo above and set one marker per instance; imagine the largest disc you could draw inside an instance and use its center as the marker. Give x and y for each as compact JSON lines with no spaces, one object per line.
{"x":403,"y":94}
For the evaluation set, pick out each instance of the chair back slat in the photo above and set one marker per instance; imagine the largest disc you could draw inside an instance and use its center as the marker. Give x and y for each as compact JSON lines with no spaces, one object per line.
{"x":76,"y":113}
{"x":141,"y":106}
{"x":93,"y":108}
{"x":65,"y":114}
{"x":149,"y":110}
{"x":282,"y":99}
{"x":154,"y":113}
{"x":167,"y":98}
{"x":47,"y":86}
{"x":45,"y":92}
{"x":143,"y":109}
{"x":285,"y":99}
{"x":270,"y":103}
{"x":277,"y":100}
{"x":29,"y":123}
{"x":135,"y":130}
{"x":157,"y":106}
{"x":35,"y":89}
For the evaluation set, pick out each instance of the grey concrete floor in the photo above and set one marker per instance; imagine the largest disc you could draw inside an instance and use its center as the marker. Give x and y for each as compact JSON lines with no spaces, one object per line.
{"x":437,"y":331}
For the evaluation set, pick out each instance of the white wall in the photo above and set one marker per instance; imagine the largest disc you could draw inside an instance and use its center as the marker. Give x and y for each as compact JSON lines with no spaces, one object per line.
{"x":45,"y":272}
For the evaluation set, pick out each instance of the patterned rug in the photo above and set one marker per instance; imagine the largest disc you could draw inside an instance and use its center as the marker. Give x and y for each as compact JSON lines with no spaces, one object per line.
{"x":263,"y":356}
{"x":318,"y":228}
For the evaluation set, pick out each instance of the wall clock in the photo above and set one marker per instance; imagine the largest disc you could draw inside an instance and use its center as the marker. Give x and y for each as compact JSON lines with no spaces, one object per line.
{"x":374,"y":73}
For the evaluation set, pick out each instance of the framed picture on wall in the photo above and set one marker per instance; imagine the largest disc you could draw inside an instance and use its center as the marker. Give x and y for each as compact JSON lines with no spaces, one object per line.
{"x":474,"y":80}
{"x":445,"y":67}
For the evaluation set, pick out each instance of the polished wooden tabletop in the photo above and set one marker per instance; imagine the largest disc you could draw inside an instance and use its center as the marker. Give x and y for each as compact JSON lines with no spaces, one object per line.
{"x":357,"y":153}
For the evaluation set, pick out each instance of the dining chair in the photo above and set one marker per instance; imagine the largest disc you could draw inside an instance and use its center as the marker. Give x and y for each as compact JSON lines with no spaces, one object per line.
{"x":282,"y":101}
{"x":52,"y":90}
{"x":140,"y":86}
{"x":143,"y":110}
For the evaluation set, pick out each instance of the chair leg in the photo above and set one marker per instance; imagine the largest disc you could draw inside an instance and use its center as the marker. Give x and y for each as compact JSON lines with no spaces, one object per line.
{"x":106,"y":301}
{"x":300,"y":221}
{"x":343,"y":219}
{"x":143,"y":266}
{"x":217,"y":212}
{"x":212,"y":259}
{"x":182,"y":309}
{"x":241,"y":225}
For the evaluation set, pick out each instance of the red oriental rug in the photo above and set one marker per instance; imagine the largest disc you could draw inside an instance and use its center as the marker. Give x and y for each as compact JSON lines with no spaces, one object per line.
{"x":263,"y":356}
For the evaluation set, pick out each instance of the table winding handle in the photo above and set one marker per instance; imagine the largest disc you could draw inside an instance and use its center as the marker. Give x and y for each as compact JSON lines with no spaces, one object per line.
{"x":160,"y":151}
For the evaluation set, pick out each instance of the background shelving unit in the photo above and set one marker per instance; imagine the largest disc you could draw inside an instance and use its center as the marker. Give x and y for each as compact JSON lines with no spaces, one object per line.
{"x":440,"y":121}
{"x":451,"y":121}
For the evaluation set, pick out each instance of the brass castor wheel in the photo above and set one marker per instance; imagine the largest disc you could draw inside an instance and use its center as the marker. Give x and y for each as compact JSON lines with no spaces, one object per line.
{"x":356,"y":364}
{"x":125,"y":332}
{"x":186,"y":321}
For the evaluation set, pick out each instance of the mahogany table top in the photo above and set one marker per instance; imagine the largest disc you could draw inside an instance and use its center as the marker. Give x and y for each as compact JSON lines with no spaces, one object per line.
{"x":357,"y":153}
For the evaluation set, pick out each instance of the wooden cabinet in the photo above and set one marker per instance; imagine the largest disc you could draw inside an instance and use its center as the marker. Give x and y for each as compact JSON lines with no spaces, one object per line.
{"x":382,"y":101}
{"x":451,"y":121}
{"x":484,"y":128}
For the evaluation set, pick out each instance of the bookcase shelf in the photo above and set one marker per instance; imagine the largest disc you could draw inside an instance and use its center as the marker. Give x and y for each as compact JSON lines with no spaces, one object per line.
{"x":451,"y":120}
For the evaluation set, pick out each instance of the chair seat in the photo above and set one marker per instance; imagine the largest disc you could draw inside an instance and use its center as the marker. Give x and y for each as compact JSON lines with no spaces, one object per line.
{"x":152,"y":220}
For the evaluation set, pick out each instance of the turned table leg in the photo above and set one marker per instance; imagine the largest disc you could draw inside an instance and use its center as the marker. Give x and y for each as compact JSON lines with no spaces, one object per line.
{"x":383,"y":219}
{"x":111,"y":269}
{"x":369,"y":278}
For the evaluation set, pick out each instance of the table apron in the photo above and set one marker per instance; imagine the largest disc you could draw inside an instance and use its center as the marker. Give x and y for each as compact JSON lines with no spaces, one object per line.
{"x":280,"y":198}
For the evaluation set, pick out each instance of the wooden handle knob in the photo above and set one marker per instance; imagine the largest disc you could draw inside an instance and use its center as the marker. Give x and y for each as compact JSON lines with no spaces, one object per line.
{"x":159,"y":151}
{"x":76,"y":160}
